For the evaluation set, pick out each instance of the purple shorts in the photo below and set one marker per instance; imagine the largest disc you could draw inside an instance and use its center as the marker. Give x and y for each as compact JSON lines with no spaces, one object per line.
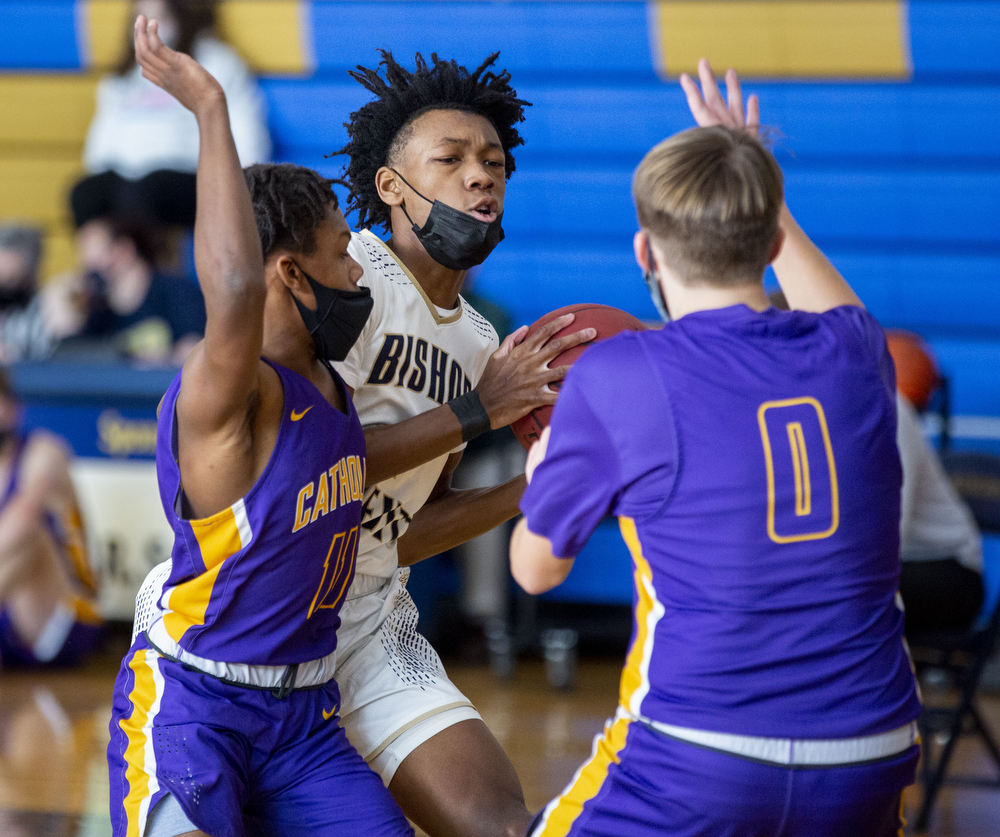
{"x":81,"y":642}
{"x":641,"y":782}
{"x":238,"y":761}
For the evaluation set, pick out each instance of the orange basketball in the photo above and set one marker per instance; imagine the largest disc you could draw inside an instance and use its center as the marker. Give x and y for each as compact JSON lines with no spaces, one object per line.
{"x":606,"y":320}
{"x":917,"y":374}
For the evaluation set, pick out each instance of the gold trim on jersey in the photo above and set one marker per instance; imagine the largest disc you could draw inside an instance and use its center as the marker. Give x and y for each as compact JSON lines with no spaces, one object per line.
{"x":560,"y":814}
{"x":438,"y":318}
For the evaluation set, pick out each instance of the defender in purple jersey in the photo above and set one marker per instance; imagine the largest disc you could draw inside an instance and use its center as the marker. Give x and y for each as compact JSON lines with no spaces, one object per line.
{"x":749,"y":455}
{"x":225,"y":715}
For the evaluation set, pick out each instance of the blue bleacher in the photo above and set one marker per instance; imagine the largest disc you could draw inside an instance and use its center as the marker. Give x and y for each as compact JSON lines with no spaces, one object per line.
{"x":899,"y":181}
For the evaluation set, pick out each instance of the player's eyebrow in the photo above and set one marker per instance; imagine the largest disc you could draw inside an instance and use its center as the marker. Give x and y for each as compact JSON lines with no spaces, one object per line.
{"x":453,"y":141}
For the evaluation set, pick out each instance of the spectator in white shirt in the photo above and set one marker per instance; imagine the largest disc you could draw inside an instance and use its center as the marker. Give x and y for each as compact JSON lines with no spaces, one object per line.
{"x":142,"y":145}
{"x":942,"y":552}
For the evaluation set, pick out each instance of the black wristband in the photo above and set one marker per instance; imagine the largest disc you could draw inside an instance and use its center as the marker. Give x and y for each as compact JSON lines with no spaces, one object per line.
{"x":471,"y":415}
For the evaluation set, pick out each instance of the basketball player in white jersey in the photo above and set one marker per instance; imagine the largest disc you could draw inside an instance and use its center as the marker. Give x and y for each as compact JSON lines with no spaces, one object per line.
{"x":429,"y":159}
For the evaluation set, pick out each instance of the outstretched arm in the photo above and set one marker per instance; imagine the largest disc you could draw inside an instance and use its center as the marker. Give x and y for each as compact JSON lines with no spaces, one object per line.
{"x":810,"y":282}
{"x":532,"y":562}
{"x":222,"y":371}
{"x":223,"y":376}
{"x":516,"y":380}
{"x":452,"y":516}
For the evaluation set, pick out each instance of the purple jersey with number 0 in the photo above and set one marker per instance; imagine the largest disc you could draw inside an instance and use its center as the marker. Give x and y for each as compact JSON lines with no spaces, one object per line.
{"x":752,"y":463}
{"x":262,"y":581}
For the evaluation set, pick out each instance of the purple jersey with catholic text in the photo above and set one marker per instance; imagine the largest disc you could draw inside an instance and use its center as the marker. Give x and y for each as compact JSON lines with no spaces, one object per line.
{"x":751,"y":460}
{"x":262,"y":581}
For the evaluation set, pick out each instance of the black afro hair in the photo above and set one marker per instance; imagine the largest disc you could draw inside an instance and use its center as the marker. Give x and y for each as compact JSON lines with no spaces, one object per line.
{"x":375,"y":130}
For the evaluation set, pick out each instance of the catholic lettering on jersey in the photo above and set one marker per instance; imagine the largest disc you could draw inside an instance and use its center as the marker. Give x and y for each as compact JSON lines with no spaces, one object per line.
{"x":411,"y":357}
{"x":262,"y":582}
{"x":751,"y":461}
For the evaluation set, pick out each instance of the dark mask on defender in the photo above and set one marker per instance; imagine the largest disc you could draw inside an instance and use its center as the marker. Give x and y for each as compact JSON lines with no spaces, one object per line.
{"x":339,"y":317}
{"x":454,"y":238}
{"x":653,"y":284}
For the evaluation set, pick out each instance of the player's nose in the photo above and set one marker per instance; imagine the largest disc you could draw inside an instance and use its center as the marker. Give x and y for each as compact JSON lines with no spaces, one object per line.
{"x":479,"y":176}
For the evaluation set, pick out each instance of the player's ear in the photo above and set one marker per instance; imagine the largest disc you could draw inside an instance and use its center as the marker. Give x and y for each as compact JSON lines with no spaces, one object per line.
{"x":779,"y":240}
{"x":294,"y":279}
{"x":390,"y":189}
{"x":640,"y":246}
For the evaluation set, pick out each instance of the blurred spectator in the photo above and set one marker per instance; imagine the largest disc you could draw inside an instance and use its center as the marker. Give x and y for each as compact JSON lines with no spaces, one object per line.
{"x":24,"y":334}
{"x":47,"y":587}
{"x":941,"y":582}
{"x":120,"y":298}
{"x":142,"y":145}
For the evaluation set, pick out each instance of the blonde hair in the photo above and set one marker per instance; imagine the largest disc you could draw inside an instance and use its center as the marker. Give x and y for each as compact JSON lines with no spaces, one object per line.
{"x":710,"y":198}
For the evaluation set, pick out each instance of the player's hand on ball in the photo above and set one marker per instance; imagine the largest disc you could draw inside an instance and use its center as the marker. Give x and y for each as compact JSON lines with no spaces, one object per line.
{"x":517,"y":377}
{"x":537,"y":453}
{"x":707,"y":105}
{"x":179,"y":74}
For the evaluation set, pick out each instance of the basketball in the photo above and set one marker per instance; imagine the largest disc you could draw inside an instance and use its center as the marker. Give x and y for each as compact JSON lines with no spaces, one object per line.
{"x":606,"y":320}
{"x":917,"y":374}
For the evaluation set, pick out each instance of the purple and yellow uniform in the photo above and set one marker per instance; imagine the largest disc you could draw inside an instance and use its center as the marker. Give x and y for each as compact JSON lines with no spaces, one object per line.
{"x":751,"y":461}
{"x":227,"y":701}
{"x":74,"y":629}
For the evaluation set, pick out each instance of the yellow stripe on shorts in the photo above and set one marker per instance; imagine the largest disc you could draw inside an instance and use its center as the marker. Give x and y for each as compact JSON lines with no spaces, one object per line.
{"x":563,"y":811}
{"x":141,"y":770}
{"x":783,"y":38}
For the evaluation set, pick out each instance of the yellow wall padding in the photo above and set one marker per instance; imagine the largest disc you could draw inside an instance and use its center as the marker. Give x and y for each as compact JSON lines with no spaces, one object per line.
{"x":46,"y":111}
{"x":272,"y":35}
{"x":38,"y":188}
{"x":105,"y":32}
{"x":784,"y":38}
{"x":60,"y":252}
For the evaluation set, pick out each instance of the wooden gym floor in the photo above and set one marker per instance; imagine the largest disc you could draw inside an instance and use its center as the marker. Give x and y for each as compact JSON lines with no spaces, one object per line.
{"x":53,"y":734}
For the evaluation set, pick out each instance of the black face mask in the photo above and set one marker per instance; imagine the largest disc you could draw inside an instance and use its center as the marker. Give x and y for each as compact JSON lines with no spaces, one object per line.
{"x":339,"y":317}
{"x":653,"y":284}
{"x":454,"y":238}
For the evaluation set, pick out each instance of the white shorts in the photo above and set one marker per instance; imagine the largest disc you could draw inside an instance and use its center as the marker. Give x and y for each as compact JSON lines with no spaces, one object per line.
{"x":394,"y":692}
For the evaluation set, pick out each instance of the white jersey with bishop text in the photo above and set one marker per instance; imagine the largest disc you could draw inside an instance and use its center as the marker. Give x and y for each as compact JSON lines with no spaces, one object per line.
{"x":411,"y":357}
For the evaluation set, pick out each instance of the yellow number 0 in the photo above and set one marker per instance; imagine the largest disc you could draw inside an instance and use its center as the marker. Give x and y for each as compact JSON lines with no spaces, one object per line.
{"x":347,"y":542}
{"x":800,"y":470}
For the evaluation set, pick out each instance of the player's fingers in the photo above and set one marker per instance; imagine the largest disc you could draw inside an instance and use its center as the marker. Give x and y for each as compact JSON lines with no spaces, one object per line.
{"x":555,"y":373}
{"x":753,"y":114}
{"x":139,"y":36}
{"x":702,"y":115}
{"x":153,"y":30}
{"x":558,"y":345}
{"x":710,"y":89}
{"x":510,"y":341}
{"x":547,"y":331}
{"x":734,"y":95}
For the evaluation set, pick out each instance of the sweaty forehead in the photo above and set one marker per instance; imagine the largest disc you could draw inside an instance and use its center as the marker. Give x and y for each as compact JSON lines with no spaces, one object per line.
{"x":443,"y":127}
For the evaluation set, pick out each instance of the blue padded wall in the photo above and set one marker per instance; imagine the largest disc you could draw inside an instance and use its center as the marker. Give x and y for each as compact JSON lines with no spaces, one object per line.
{"x":38,"y":35}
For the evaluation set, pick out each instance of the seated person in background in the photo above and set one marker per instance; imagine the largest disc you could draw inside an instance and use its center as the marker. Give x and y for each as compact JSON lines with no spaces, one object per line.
{"x":941,"y":582}
{"x":24,"y":334}
{"x":142,"y":144}
{"x":48,"y":591}
{"x":119,"y":296}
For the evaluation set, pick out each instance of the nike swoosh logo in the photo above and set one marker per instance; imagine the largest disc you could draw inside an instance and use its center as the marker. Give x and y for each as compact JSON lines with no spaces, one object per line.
{"x":328,"y":715}
{"x":297,"y":416}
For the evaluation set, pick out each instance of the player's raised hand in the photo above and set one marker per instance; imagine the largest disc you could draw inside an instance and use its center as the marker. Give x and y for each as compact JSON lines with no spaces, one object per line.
{"x":179,"y":74}
{"x":517,"y":377}
{"x":709,"y":108}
